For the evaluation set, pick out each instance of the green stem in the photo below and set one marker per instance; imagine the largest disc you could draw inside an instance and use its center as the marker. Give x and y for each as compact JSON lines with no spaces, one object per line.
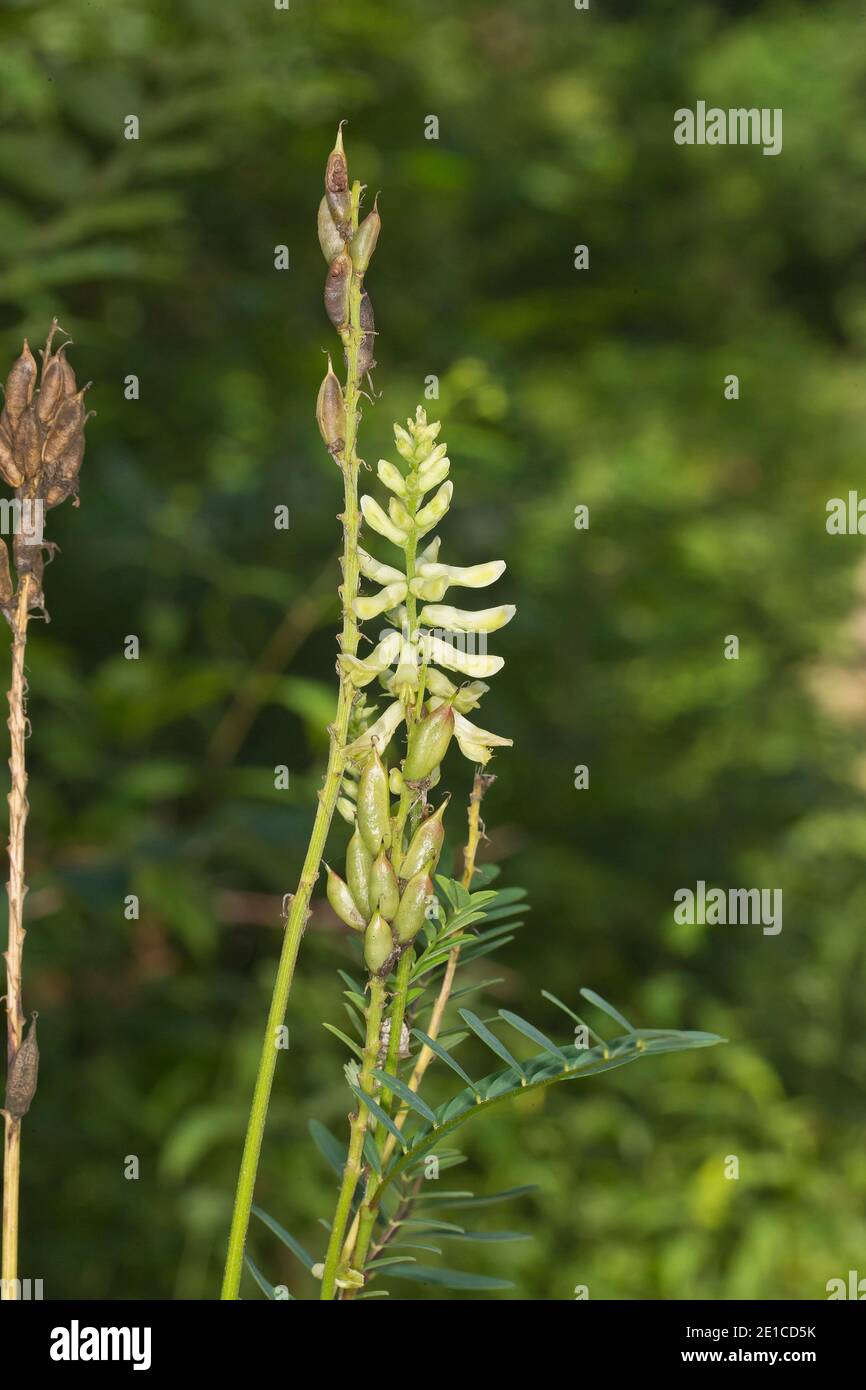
{"x":352,"y":1167}
{"x":299,"y":911}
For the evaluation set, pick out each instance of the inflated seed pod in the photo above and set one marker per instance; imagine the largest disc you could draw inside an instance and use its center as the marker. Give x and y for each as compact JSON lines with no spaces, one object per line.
{"x":331,"y":411}
{"x":384,"y":893}
{"x":359,"y":862}
{"x":337,"y":283}
{"x":366,"y":361}
{"x":6,"y":590}
{"x":378,"y":945}
{"x":337,"y":193}
{"x":363,"y":243}
{"x":70,"y":385}
{"x":68,"y":422}
{"x":428,"y":744}
{"x":425,"y":846}
{"x":329,"y":237}
{"x":51,"y":390}
{"x":412,"y":909}
{"x":374,"y":805}
{"x":23,"y":1074}
{"x":395,"y":781}
{"x":343,"y":903}
{"x":8,"y":467}
{"x":19,"y":385}
{"x":28,"y":443}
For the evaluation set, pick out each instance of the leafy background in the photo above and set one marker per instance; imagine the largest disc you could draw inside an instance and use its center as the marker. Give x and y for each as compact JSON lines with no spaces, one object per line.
{"x":558,"y":387}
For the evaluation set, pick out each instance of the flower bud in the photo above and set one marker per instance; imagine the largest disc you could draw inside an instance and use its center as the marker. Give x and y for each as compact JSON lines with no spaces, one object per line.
{"x":432,"y":514}
{"x":359,"y":862}
{"x":378,"y":945}
{"x":391,"y":477}
{"x":381,"y":522}
{"x":343,"y":903}
{"x":331,"y":412}
{"x":442,"y":615}
{"x":428,"y":744}
{"x":363,"y":243}
{"x":19,"y":386}
{"x":337,"y":192}
{"x":413,"y":908}
{"x":374,"y":807}
{"x":384,"y":893}
{"x":329,"y":237}
{"x":371,"y":605}
{"x":337,"y":283}
{"x":425,"y":846}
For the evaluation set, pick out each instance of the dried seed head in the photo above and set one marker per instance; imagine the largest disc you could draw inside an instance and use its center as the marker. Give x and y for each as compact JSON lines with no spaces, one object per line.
{"x":331,"y":412}
{"x":363,"y":243}
{"x":19,"y":386}
{"x":337,"y":188}
{"x":329,"y":237}
{"x":23,"y":1074}
{"x":337,"y":284}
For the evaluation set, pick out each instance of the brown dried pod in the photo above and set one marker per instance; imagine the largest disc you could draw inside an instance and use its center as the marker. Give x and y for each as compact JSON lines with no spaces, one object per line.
{"x":6,"y":589}
{"x":19,"y":385}
{"x":28,"y":444}
{"x":23,"y":1074}
{"x":329,"y":237}
{"x":331,"y":411}
{"x":51,"y":388}
{"x":337,"y":284}
{"x":337,"y":188}
{"x":70,"y":385}
{"x":366,"y":361}
{"x":68,"y":422}
{"x":8,"y":467}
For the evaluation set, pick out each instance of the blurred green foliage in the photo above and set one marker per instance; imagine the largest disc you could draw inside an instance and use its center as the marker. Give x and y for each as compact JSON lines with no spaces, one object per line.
{"x":557,"y":388}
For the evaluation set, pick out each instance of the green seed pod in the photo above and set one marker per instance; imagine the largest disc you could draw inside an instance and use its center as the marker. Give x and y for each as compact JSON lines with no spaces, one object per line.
{"x":331,"y":412}
{"x":384,"y":893}
{"x":329,"y":238}
{"x":374,"y":806}
{"x":359,"y":862}
{"x":363,"y":243}
{"x":428,"y":744}
{"x":337,"y":193}
{"x":425,"y":846}
{"x":23,"y":1073}
{"x":343,"y":903}
{"x":366,"y":361}
{"x":378,"y":945}
{"x":337,"y":283}
{"x":395,"y":781}
{"x":19,"y":385}
{"x":413,"y":907}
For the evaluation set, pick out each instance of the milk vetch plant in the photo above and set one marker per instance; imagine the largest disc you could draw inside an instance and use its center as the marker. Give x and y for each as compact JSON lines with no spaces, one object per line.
{"x":407,"y":698}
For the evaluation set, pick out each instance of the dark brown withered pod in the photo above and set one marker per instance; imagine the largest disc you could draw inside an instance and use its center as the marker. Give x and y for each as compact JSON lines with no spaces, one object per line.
{"x":41,"y":448}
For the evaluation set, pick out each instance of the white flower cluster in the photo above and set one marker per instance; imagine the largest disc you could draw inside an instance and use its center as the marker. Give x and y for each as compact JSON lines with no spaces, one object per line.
{"x":409,"y":660}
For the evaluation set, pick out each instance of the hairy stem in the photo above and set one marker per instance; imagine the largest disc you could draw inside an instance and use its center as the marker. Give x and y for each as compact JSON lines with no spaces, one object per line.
{"x":299,"y":910}
{"x":358,"y":1122}
{"x":16,"y":889}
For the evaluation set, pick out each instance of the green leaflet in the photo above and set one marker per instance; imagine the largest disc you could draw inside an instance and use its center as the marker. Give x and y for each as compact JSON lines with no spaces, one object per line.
{"x":282,"y":1234}
{"x":328,"y":1145}
{"x":448,"y":1278}
{"x":539,"y":1071}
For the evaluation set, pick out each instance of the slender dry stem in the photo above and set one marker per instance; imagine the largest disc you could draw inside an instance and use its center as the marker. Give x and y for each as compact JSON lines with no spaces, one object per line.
{"x":16,"y":889}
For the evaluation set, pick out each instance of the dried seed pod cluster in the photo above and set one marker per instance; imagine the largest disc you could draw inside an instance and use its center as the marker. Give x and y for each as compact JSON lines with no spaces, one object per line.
{"x":41,"y":448}
{"x":348,"y":253}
